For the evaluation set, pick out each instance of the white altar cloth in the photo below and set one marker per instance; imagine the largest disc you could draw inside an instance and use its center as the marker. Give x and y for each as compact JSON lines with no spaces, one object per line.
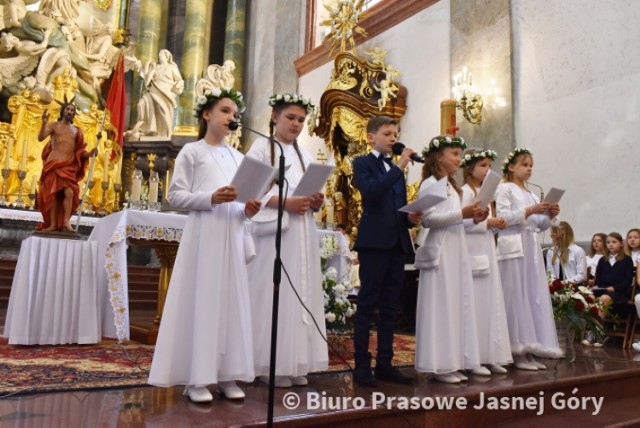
{"x":54,"y":298}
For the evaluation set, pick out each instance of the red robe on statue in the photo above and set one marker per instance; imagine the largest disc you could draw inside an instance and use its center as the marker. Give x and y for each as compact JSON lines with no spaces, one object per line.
{"x":57,"y":175}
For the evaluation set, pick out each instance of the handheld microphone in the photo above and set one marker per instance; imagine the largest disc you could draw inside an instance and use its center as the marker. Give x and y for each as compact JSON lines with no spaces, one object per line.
{"x":397,"y":149}
{"x":233,"y":125}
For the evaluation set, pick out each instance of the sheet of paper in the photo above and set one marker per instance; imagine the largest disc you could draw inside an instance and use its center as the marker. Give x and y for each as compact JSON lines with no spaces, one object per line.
{"x":554,"y":196}
{"x":488,"y":188}
{"x":252,"y":179}
{"x":434,"y":194}
{"x":313,"y":179}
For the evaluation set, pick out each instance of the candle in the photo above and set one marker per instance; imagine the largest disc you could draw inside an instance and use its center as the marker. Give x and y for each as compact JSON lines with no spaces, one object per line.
{"x":119,"y":172}
{"x":23,"y":159}
{"x":153,"y":187}
{"x":34,"y":184}
{"x":7,"y":156}
{"x":92,"y":164}
{"x":136,"y":186}
{"x":330,"y":212}
{"x":105,"y":172}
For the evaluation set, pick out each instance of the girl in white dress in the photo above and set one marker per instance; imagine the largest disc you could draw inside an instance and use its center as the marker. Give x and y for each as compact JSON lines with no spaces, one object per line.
{"x":205,"y":334}
{"x":300,"y":348}
{"x":446,"y":334}
{"x":595,"y":253}
{"x":566,"y":259}
{"x":526,"y":293}
{"x":491,"y":317}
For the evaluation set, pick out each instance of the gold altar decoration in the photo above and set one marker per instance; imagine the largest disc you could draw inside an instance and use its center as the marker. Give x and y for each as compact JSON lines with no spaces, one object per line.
{"x":343,"y":22}
{"x":346,"y":105}
{"x":26,"y":120}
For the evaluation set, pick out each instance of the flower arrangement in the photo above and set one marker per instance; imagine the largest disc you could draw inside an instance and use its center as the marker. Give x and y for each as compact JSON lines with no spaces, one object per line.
{"x":337,"y":307}
{"x":576,"y":305}
{"x":514,"y":154}
{"x":442,"y":141}
{"x":302,"y":101}
{"x":478,"y":155}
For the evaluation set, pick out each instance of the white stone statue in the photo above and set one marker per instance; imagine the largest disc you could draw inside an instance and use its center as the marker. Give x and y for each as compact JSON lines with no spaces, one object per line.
{"x":63,"y":11}
{"x":12,"y":12}
{"x":18,"y":58}
{"x":162,"y":83}
{"x":100,"y":52}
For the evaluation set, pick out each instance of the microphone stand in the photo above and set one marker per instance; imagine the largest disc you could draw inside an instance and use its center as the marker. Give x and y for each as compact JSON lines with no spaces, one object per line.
{"x":540,"y":188}
{"x":277,"y":274}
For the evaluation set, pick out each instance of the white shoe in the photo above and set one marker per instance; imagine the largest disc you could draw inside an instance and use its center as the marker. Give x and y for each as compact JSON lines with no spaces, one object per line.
{"x":460,"y":376}
{"x":447,"y":378}
{"x":522,"y":363}
{"x":299,"y":380}
{"x":538,"y":364}
{"x":198,"y":394}
{"x":231,"y":390}
{"x":280,"y":382}
{"x":497,"y":369}
{"x":636,"y":346}
{"x":481,"y":371}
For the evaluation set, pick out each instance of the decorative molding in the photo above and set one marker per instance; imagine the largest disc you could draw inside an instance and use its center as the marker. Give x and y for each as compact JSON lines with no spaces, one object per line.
{"x":378,"y":19}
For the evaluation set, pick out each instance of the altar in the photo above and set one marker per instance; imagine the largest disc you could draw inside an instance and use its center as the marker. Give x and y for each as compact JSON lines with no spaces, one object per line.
{"x":157,"y":229}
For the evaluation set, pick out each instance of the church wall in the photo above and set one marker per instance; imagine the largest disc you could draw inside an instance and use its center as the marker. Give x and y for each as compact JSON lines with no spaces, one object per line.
{"x":418,"y":47}
{"x":577,"y":106}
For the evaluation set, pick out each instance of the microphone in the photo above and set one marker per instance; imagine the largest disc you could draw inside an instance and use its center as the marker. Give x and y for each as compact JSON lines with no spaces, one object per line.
{"x":233,"y":125}
{"x":539,"y":188}
{"x":397,"y":149}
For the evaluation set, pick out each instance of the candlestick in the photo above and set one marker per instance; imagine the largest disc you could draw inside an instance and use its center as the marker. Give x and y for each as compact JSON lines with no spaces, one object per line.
{"x":34,"y":183}
{"x":329,"y":204}
{"x":7,"y":155}
{"x":103,"y":202}
{"x":105,"y":172}
{"x":23,"y":159}
{"x":136,"y":189}
{"x":119,"y":172}
{"x":19,"y":203}
{"x":154,"y":180}
{"x":3,"y":196}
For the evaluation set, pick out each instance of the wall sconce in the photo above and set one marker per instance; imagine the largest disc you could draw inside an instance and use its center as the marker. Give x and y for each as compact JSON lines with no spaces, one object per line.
{"x":466,"y":97}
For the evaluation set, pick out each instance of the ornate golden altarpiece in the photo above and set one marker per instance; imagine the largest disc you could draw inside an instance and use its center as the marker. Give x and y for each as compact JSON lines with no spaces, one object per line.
{"x":351,"y":98}
{"x":27,"y":109}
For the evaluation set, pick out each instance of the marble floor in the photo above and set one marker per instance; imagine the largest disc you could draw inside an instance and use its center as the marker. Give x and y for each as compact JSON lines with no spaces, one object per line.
{"x":609,"y":374}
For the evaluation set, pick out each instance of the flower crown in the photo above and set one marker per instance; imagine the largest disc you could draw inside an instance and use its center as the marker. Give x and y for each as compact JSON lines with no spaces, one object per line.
{"x":212,"y":94}
{"x":514,"y":154}
{"x":298,"y":99}
{"x":470,"y":158}
{"x":442,"y":141}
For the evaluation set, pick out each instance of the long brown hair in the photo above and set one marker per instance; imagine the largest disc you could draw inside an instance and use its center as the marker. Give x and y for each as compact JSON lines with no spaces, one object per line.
{"x":202,"y":123}
{"x":603,"y":236}
{"x":507,"y":175}
{"x":627,"y":248}
{"x":432,"y":167}
{"x":617,"y":237}
{"x":277,"y":109}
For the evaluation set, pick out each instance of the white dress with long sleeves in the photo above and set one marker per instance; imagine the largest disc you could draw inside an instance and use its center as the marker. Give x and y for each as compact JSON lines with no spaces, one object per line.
{"x":446,"y":334}
{"x":574,"y":270}
{"x":524,"y":282}
{"x":301,"y":348}
{"x":491,"y":317}
{"x":205,"y":333}
{"x":592,"y":263}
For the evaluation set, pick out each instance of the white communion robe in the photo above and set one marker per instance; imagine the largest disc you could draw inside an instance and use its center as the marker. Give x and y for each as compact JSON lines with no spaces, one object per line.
{"x":491,"y":316}
{"x":446,"y":335}
{"x":205,"y":333}
{"x":300,"y":348}
{"x":524,"y":281}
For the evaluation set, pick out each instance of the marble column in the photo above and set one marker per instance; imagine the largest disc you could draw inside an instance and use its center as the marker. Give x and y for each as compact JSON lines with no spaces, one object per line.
{"x":148,"y":45}
{"x":234,"y":38}
{"x":481,"y":41}
{"x":192,"y":65}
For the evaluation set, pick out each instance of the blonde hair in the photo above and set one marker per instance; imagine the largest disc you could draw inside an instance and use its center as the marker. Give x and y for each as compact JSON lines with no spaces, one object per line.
{"x":563,"y":240}
{"x":507,"y":175}
{"x":432,"y":167}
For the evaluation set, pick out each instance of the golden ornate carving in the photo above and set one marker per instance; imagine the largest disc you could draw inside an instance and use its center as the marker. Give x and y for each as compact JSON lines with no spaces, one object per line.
{"x":102,"y":4}
{"x":343,"y":23}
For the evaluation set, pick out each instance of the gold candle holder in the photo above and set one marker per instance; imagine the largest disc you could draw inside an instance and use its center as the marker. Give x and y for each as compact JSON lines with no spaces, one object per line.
{"x":89,"y":209}
{"x":105,"y":186}
{"x":32,"y":201}
{"x":118,"y":188}
{"x":19,"y":202}
{"x":3,"y":196}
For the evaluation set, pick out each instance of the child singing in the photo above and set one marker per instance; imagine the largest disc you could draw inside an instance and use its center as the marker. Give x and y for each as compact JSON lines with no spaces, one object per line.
{"x":526,"y":294}
{"x":205,"y":334}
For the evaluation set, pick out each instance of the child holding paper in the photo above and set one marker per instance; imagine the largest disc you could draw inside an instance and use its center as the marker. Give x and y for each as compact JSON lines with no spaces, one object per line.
{"x":493,"y":333}
{"x":205,"y":334}
{"x":301,"y":348}
{"x":526,"y":293}
{"x":446,"y":334}
{"x":382,"y":244}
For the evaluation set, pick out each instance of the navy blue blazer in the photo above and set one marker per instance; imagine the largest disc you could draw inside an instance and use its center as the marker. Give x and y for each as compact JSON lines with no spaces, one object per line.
{"x":383,"y":192}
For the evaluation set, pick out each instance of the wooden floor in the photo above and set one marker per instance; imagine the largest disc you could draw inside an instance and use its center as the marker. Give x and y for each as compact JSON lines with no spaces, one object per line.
{"x":609,"y":374}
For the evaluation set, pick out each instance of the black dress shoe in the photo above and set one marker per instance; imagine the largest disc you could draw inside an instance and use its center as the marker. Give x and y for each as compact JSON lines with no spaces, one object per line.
{"x":364,"y":377}
{"x":392,"y":374}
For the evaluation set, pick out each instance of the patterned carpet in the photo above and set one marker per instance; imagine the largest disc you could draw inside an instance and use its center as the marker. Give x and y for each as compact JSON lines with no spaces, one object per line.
{"x":30,"y":369}
{"x":35,"y":369}
{"x":404,"y":347}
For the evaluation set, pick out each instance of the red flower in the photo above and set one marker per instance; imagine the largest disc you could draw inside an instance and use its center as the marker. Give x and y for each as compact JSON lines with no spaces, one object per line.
{"x":589,"y":298}
{"x":579,"y":306}
{"x":593,"y":310}
{"x":556,"y":285}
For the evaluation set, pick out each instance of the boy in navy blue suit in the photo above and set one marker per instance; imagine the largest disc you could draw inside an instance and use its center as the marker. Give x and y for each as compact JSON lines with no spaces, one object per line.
{"x":382,"y":243}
